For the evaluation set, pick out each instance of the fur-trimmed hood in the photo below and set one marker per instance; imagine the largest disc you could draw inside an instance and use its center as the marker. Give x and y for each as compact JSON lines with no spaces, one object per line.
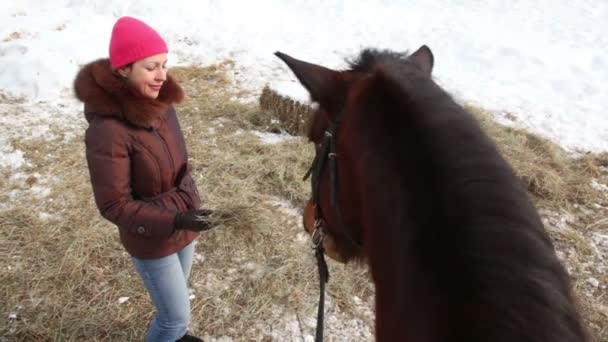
{"x":106,"y":94}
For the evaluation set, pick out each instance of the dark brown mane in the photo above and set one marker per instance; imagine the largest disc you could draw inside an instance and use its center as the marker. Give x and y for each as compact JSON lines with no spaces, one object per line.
{"x":369,"y":58}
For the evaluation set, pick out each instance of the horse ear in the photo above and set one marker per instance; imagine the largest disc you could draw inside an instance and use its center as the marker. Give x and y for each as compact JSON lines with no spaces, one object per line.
{"x":319,"y":81}
{"x":423,"y":58}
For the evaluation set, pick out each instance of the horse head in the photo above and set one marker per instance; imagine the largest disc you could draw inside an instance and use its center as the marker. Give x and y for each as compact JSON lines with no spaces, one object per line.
{"x":333,"y":214}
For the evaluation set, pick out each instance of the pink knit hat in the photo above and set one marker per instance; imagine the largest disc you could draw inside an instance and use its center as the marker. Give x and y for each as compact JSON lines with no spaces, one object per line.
{"x":132,"y":40}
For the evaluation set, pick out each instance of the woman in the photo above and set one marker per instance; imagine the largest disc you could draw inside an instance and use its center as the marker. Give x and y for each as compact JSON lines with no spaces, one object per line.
{"x":139,"y":168}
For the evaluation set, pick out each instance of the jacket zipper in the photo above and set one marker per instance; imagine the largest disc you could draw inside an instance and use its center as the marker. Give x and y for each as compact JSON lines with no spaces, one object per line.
{"x":177,"y":233}
{"x":166,"y":148}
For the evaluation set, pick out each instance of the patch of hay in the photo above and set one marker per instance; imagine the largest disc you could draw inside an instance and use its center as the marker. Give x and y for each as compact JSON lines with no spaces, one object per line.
{"x":548,"y":171}
{"x":7,"y":99}
{"x":291,"y":115}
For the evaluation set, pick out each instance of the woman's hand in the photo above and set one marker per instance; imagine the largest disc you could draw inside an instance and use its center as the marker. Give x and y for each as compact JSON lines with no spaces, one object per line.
{"x":196,"y":220}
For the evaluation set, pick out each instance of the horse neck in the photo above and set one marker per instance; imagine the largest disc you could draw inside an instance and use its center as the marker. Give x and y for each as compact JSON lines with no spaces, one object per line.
{"x":437,"y":198}
{"x":392,"y":218}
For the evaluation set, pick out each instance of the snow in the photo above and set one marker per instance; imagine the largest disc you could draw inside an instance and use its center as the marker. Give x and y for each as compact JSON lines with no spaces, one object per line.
{"x":599,"y":186}
{"x":541,"y":61}
{"x":291,"y":89}
{"x":198,"y":258}
{"x":11,"y":158}
{"x":273,"y":138}
{"x":285,"y":207}
{"x":601,"y":241}
{"x":30,"y":185}
{"x":593,"y":282}
{"x":284,"y":324}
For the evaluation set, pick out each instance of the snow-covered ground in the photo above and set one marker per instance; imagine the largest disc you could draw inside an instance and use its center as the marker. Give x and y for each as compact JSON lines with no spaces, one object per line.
{"x":542,"y":61}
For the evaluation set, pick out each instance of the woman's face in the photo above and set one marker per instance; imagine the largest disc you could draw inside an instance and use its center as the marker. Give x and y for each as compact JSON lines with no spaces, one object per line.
{"x":147,"y":75}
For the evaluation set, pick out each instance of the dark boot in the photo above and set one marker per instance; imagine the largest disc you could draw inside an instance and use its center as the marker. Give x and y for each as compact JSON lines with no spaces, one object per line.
{"x":189,"y":338}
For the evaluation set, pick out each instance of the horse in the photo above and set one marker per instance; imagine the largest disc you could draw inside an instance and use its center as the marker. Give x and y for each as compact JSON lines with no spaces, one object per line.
{"x":406,"y":181}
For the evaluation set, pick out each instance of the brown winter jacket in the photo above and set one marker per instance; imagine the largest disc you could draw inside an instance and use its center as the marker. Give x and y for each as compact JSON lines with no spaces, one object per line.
{"x":137,"y":161}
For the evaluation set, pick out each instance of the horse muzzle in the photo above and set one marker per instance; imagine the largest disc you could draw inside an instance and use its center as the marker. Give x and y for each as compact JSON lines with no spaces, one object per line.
{"x":311,"y":227}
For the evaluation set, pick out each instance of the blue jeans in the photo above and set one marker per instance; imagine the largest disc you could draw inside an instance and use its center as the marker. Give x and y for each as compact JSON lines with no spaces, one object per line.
{"x":166,"y":280}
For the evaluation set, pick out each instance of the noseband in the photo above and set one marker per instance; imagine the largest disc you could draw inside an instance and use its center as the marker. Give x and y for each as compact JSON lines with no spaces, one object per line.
{"x":327,"y":152}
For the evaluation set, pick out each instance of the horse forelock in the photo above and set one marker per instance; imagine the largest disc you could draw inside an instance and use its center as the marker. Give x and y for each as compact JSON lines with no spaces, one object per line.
{"x":370,"y":58}
{"x":367,"y":62}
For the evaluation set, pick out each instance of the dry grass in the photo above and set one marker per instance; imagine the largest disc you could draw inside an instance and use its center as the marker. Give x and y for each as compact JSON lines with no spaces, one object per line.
{"x":63,"y":268}
{"x":5,"y":99}
{"x":553,"y":176}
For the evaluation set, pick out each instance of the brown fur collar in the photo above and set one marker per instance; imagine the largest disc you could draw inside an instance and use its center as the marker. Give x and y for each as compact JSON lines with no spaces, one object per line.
{"x":106,"y":94}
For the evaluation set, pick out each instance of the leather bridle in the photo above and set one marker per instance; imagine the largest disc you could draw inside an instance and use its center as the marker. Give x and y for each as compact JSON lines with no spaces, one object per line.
{"x":326,"y":152}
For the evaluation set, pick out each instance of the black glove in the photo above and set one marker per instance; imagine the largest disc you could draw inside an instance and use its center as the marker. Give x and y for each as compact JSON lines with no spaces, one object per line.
{"x":196,"y":220}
